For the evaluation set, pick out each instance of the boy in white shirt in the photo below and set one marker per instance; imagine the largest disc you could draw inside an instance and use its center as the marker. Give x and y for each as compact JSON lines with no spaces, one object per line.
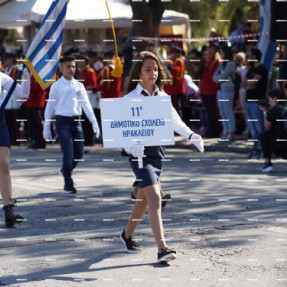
{"x":66,"y":99}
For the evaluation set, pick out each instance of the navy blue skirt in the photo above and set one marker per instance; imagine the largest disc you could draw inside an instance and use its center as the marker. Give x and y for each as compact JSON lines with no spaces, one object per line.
{"x":4,"y":135}
{"x":152,"y":166}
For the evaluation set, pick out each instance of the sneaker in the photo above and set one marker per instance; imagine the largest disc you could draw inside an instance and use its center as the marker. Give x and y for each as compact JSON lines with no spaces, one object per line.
{"x":131,"y":245}
{"x":165,"y":199}
{"x":267,"y":167}
{"x":166,"y":255}
{"x":69,"y":189}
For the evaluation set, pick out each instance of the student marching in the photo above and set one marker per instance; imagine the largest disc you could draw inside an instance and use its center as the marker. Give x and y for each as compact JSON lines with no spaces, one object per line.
{"x":147,"y":79}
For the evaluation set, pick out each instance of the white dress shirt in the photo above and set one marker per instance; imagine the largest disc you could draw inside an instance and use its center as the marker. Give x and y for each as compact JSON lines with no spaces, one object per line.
{"x":21,"y":91}
{"x":67,"y":98}
{"x":178,"y":125}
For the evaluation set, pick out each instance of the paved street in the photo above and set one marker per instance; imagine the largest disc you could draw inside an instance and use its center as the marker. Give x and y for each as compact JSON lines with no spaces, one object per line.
{"x":226,"y":220}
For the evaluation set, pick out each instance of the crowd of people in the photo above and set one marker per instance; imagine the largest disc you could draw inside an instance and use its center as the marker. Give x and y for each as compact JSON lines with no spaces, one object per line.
{"x":218,"y":92}
{"x":214,"y":90}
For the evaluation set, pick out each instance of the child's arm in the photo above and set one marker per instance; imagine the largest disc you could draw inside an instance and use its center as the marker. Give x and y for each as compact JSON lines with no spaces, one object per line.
{"x":49,"y":112}
{"x":181,"y":128}
{"x":86,"y":105}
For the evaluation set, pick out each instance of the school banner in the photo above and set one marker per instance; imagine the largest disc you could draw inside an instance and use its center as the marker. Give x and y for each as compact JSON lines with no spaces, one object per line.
{"x":130,"y":121}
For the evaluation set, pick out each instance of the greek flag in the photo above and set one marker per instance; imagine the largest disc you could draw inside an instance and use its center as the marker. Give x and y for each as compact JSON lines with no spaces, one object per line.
{"x":42,"y":58}
{"x":266,"y":46}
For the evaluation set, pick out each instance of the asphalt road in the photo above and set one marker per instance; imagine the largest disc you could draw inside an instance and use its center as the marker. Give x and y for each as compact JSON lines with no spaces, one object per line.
{"x":226,"y":220}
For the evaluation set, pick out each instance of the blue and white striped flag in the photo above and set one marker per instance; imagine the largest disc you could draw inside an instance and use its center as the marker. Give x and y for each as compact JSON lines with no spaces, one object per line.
{"x":42,"y":58}
{"x":265,"y":45}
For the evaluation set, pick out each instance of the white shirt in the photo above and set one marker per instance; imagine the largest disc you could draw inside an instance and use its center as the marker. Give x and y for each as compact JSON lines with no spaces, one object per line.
{"x":21,"y":91}
{"x":178,"y":125}
{"x":67,"y":98}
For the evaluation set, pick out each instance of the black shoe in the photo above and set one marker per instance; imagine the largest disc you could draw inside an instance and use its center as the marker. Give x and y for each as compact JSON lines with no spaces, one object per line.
{"x":124,"y":153}
{"x":268,"y":167}
{"x":165,"y":199}
{"x":166,"y":255}
{"x":131,"y":245}
{"x":10,"y":217}
{"x":69,"y":189}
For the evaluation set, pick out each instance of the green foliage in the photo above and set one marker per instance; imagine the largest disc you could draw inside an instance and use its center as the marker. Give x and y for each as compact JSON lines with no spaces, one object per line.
{"x":209,"y":12}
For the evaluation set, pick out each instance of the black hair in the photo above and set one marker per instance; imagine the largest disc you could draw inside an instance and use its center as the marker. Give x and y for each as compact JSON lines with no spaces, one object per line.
{"x":228,"y":56}
{"x":257,"y":53}
{"x":276,"y":93}
{"x":67,"y":59}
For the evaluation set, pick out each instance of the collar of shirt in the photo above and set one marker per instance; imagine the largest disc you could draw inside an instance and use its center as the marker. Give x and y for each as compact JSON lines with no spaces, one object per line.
{"x":67,"y":81}
{"x":139,"y":90}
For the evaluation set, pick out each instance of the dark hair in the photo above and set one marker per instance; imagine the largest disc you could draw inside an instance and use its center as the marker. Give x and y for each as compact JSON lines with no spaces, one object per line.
{"x":227,"y":54}
{"x":132,"y":79}
{"x":257,"y":53}
{"x":279,"y":95}
{"x":67,"y":59}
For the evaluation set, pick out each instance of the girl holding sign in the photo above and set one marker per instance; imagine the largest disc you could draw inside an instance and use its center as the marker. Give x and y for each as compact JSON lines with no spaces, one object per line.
{"x":147,"y":79}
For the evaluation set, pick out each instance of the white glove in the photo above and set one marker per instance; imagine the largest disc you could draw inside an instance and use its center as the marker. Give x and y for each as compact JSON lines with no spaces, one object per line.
{"x":138,"y":150}
{"x":21,"y":67}
{"x":47,"y":135}
{"x":25,"y":82}
{"x":96,"y":130}
{"x":197,"y":141}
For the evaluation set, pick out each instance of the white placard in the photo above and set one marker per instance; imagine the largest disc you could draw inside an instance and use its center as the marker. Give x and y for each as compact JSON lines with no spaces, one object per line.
{"x":128,"y":121}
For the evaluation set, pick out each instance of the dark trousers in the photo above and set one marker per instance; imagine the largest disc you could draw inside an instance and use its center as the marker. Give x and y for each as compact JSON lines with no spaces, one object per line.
{"x":270,"y":145}
{"x":87,"y":130}
{"x":35,"y":117}
{"x":177,"y":102}
{"x":213,"y":126}
{"x":70,"y":133}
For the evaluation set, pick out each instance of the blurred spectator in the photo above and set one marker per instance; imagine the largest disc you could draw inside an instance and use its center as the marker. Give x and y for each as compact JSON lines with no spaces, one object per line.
{"x":193,"y":63}
{"x":255,"y":83}
{"x":283,"y":67}
{"x":274,"y":137}
{"x":176,"y":87}
{"x":191,"y":91}
{"x":237,"y":40}
{"x":110,"y":86}
{"x":88,"y":77}
{"x":208,"y":88}
{"x":241,"y":69}
{"x":225,"y":93}
{"x":197,"y":118}
{"x":247,"y":30}
{"x":35,"y":114}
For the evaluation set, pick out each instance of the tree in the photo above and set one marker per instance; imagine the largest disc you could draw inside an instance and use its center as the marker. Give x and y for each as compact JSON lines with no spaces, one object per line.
{"x":209,"y":12}
{"x":147,"y":16}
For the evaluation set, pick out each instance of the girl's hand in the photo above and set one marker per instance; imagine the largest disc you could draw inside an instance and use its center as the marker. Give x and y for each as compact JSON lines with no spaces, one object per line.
{"x":197,"y":141}
{"x":138,"y":150}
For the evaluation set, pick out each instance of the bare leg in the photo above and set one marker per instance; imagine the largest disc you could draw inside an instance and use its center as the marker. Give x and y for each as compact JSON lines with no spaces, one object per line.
{"x":153,"y":196}
{"x":5,"y":178}
{"x":135,"y":191}
{"x":138,"y":212}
